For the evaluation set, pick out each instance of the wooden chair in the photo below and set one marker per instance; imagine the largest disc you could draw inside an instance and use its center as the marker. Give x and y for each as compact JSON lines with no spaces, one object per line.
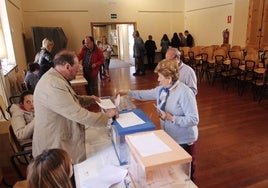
{"x":264,"y":88}
{"x":218,"y":68}
{"x":184,"y":54}
{"x":201,"y":68}
{"x":259,"y":84}
{"x":246,"y":76}
{"x":231,"y":73}
{"x":3,"y":108}
{"x":192,"y":60}
{"x":227,"y":46}
{"x":22,"y":153}
{"x":236,"y":48}
{"x":221,"y":51}
{"x":253,"y":56}
{"x":264,"y":57}
{"x":236,"y":54}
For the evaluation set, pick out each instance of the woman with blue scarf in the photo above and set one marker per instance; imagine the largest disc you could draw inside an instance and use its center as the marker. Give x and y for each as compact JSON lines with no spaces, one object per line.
{"x":177,"y":107}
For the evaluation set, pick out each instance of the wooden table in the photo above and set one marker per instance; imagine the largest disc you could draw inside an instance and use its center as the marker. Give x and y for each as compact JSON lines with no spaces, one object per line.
{"x":79,"y":81}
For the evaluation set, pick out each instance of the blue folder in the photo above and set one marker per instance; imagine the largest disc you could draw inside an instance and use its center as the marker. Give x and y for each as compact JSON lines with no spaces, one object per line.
{"x":147,"y":126}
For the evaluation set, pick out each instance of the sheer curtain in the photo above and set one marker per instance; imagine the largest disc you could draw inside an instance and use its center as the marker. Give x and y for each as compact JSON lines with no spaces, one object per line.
{"x":3,"y":51}
{"x":3,"y":55}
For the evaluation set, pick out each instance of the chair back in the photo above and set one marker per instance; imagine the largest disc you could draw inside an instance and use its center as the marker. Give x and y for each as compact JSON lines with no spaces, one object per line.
{"x":13,"y":100}
{"x":184,"y":50}
{"x":3,"y":108}
{"x":219,"y":66}
{"x":195,"y":50}
{"x":249,"y":65}
{"x":14,"y":143}
{"x":235,"y":54}
{"x":191,"y":61}
{"x":236,"y":48}
{"x":226,"y":46}
{"x":234,"y":69}
{"x":221,"y":52}
{"x":209,"y":50}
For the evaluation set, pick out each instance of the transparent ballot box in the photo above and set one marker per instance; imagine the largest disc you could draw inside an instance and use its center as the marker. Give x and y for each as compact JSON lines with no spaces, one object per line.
{"x":129,"y":121}
{"x":157,"y":161}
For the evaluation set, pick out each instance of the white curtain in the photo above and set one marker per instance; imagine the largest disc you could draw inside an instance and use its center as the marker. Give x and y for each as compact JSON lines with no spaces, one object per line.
{"x":3,"y":54}
{"x":3,"y":51}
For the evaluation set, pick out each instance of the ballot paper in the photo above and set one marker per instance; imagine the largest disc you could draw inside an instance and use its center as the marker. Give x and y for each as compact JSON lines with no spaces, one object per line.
{"x":117,"y":100}
{"x":129,"y":119}
{"x":107,"y":176}
{"x":101,"y":170}
{"x":106,"y":104}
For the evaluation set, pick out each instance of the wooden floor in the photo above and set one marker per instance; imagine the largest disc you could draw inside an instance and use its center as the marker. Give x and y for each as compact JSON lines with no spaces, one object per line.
{"x":233,"y":130}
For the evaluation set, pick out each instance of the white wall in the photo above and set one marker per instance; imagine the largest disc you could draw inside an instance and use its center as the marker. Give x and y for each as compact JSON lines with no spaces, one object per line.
{"x":74,"y":16}
{"x":206,"y":19}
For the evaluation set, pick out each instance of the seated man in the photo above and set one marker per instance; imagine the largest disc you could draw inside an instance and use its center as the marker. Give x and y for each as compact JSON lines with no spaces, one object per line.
{"x":31,"y":77}
{"x":22,"y":117}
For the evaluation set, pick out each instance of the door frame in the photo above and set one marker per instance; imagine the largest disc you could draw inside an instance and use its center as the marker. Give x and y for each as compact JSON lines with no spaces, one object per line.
{"x":92,"y":24}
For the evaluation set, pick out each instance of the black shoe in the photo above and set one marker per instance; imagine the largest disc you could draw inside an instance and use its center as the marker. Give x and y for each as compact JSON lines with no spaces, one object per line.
{"x":136,"y":74}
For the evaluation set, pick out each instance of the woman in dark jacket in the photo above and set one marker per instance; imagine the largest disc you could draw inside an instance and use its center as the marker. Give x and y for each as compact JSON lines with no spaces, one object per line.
{"x":175,"y":41}
{"x":45,"y":57}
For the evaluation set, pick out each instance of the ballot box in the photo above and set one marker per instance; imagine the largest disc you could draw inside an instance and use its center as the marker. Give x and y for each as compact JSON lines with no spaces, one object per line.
{"x":129,"y":121}
{"x":156,"y":160}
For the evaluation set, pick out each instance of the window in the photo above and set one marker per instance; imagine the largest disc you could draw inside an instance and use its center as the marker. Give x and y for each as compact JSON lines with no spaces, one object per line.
{"x":7,"y":55}
{"x":3,"y":51}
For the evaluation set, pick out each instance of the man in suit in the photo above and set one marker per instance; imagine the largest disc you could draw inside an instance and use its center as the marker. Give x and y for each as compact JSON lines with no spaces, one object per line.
{"x":60,"y":119}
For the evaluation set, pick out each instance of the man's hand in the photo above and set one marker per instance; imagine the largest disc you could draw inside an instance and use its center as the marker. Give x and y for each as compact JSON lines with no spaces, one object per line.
{"x":112,"y":113}
{"x":95,"y":98}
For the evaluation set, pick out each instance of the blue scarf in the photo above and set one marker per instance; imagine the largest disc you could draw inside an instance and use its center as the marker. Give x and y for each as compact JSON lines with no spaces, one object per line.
{"x":164,"y":94}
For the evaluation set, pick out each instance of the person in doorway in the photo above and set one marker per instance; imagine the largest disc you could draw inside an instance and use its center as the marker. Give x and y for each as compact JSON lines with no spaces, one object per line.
{"x":107,"y":52}
{"x":101,"y":68}
{"x":177,"y":107}
{"x":92,"y":58}
{"x":189,"y":39}
{"x":186,"y":73}
{"x":150,"y":47}
{"x":139,"y":50}
{"x":60,"y":118}
{"x":45,"y":56}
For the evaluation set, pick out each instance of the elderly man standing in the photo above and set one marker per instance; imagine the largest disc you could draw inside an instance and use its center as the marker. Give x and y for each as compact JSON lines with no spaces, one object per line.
{"x":187,"y":74}
{"x":60,"y":119}
{"x":139,"y":50}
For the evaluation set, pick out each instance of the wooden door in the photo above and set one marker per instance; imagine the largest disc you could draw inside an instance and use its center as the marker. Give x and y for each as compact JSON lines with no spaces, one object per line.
{"x":257,"y":24}
{"x":264,"y":39}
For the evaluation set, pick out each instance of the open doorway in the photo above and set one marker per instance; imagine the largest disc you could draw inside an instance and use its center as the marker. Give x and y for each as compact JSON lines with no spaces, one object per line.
{"x":119,"y":35}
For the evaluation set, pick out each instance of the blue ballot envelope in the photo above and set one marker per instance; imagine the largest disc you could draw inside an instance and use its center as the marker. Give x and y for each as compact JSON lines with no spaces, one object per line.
{"x":129,"y":121}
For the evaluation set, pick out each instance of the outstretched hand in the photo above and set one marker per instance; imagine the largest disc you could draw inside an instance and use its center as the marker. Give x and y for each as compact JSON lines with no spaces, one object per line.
{"x":111,"y":113}
{"x":95,"y":98}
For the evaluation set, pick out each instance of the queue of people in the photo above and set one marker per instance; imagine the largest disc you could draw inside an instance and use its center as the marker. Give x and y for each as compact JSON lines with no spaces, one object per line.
{"x":57,"y":121}
{"x":177,"y":41}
